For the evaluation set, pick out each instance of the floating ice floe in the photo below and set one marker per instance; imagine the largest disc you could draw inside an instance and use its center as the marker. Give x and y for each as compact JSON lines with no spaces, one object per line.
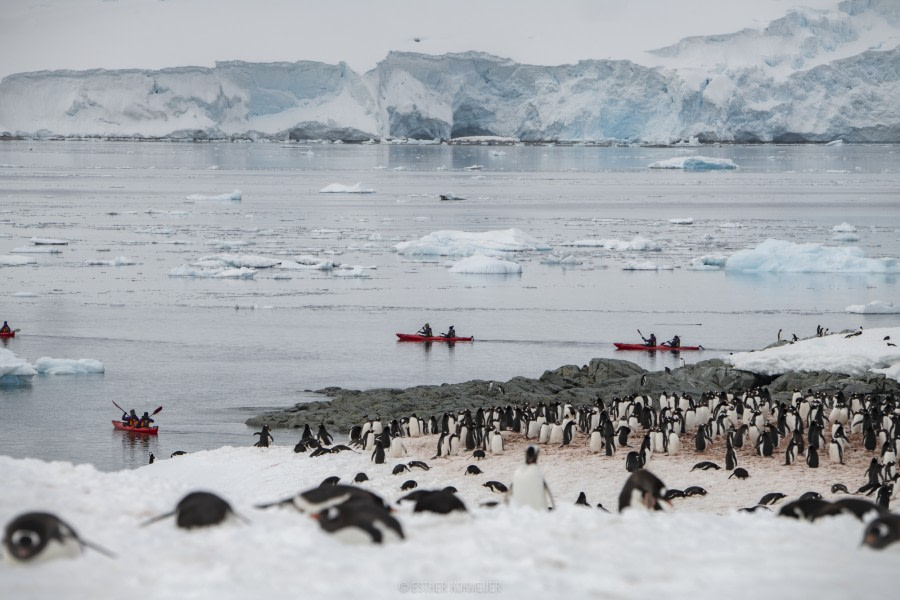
{"x":637,"y":243}
{"x":25,"y":295}
{"x":730,"y":225}
{"x":48,"y":242}
{"x":473,"y":168}
{"x":695,"y":163}
{"x":844,"y":228}
{"x":569,"y":260}
{"x":875,"y":307}
{"x":226,"y":244}
{"x":233,"y":260}
{"x":834,"y":353}
{"x":155,"y":230}
{"x":119,"y":261}
{"x":835,"y":143}
{"x":845,"y":237}
{"x":14,"y":370}
{"x":646,"y":266}
{"x":306,"y":263}
{"x":68,"y":366}
{"x":212,"y":273}
{"x":235,"y":195}
{"x":37,"y":250}
{"x":339,"y":188}
{"x":710,"y":262}
{"x":684,"y":221}
{"x":346,"y":271}
{"x":464,"y":243}
{"x":8,"y":260}
{"x":779,"y":256}
{"x":486,"y":265}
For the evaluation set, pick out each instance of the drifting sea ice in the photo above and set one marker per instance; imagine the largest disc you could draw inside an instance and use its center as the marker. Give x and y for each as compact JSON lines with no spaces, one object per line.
{"x":646,"y":266}
{"x":695,"y":163}
{"x":48,"y":242}
{"x":486,"y":265}
{"x":464,"y":243}
{"x":9,"y":260}
{"x":37,"y":250}
{"x":638,"y":243}
{"x":876,"y":307}
{"x":14,"y":370}
{"x":119,"y":261}
{"x":779,"y":256}
{"x":339,"y":188}
{"x":683,"y":221}
{"x":710,"y":262}
{"x":68,"y":366}
{"x":235,"y":195}
{"x":212,"y":273}
{"x":844,"y":228}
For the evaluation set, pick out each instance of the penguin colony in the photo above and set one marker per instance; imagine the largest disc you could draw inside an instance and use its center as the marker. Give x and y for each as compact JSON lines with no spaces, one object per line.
{"x":804,"y":430}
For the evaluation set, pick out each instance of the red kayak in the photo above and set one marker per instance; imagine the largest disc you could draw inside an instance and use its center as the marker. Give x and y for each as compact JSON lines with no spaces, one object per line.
{"x":7,"y":334}
{"x":643,"y":347}
{"x":415,"y":337}
{"x":144,"y":430}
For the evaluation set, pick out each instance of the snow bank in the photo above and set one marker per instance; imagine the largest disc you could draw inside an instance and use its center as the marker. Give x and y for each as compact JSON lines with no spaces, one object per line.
{"x":835,"y":353}
{"x":48,"y":242}
{"x":14,"y":370}
{"x":695,"y":163}
{"x":464,"y":243}
{"x":8,"y":260}
{"x":779,"y":256}
{"x":212,"y":273}
{"x":235,"y":195}
{"x":485,"y":265}
{"x":119,"y":261}
{"x":876,"y":307}
{"x":339,"y":188}
{"x":68,"y":366}
{"x":638,"y":243}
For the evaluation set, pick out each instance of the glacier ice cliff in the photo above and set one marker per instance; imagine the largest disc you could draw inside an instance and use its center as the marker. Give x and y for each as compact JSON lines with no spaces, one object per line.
{"x":812,"y":76}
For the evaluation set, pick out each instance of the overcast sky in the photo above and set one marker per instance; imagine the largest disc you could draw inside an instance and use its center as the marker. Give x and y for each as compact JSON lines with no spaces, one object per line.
{"x":152,"y":34}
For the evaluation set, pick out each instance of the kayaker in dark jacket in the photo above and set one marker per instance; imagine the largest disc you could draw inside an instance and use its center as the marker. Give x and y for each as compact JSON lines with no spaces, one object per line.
{"x":451,"y":333}
{"x":5,"y":328}
{"x":145,"y":420}
{"x":425,"y":331}
{"x":650,"y":341}
{"x":133,"y":419}
{"x":675,"y":342}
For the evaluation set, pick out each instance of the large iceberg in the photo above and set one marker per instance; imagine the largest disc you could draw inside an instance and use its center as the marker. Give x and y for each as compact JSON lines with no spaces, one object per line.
{"x":779,"y":256}
{"x":811,"y":76}
{"x":875,"y":307}
{"x":464,"y":243}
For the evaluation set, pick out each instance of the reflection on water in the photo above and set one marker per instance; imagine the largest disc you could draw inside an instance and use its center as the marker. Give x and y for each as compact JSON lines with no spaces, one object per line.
{"x":136,"y":448}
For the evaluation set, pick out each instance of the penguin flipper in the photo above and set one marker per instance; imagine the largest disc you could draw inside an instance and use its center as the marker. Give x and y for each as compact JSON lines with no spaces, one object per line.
{"x":97,"y":548}
{"x":549,"y":495}
{"x":284,"y":502}
{"x":157,"y":518}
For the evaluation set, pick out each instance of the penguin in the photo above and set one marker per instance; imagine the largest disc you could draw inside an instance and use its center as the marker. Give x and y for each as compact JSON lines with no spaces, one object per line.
{"x":478,"y":454}
{"x":317,"y":499}
{"x":399,"y":469}
{"x":672,"y":494}
{"x":753,"y":509}
{"x":556,"y":434}
{"x":771,"y":498}
{"x":409,"y":484}
{"x":528,"y":486}
{"x":497,"y":443}
{"x":177,"y":453}
{"x":860,"y":508}
{"x":544,"y":433}
{"x":806,"y":508}
{"x":418,"y":464}
{"x":839,"y":487}
{"x":496,"y":486}
{"x":378,"y":454}
{"x":642,"y":488}
{"x":674,"y":444}
{"x":264,"y":437}
{"x":397,"y":449}
{"x":360,"y":477}
{"x":323,"y":436}
{"x":836,"y":452}
{"x":442,"y":502}
{"x":568,"y":433}
{"x":730,"y":459}
{"x":706,"y":465}
{"x":873,"y":473}
{"x":883,"y":497}
{"x":596,"y":441}
{"x":882,"y":532}
{"x":40,"y":536}
{"x":582,"y":500}
{"x":812,"y":458}
{"x":694,"y":490}
{"x":473,"y":470}
{"x":333,"y":480}
{"x":740,"y":473}
{"x":790,"y":454}
{"x":199,"y":509}
{"x":633,"y":462}
{"x":360,"y":522}
{"x":152,"y":458}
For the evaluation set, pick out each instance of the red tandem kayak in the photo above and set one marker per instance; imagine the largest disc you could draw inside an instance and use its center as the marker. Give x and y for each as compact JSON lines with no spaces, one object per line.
{"x":643,"y":347}
{"x":7,"y":334}
{"x":415,"y":337}
{"x":145,"y":430}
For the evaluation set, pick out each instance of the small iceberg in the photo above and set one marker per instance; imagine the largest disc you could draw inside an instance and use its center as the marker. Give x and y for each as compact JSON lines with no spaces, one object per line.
{"x":710,"y":262}
{"x":48,"y":242}
{"x":339,"y":188}
{"x":119,"y":261}
{"x":68,"y":366}
{"x":646,"y":266}
{"x":13,"y":370}
{"x":8,"y":260}
{"x":684,"y":221}
{"x":235,"y":195}
{"x":875,"y":307}
{"x":464,"y":243}
{"x":695,"y":163}
{"x":486,"y":265}
{"x":638,"y":243}
{"x":212,"y":273}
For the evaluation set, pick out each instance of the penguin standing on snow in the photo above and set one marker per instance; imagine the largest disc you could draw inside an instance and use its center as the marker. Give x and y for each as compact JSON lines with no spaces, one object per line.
{"x":836,"y":452}
{"x":528,"y":486}
{"x":730,"y":458}
{"x":812,"y":458}
{"x":596,"y":441}
{"x":39,"y":536}
{"x":496,"y":443}
{"x":264,"y":437}
{"x":378,"y":454}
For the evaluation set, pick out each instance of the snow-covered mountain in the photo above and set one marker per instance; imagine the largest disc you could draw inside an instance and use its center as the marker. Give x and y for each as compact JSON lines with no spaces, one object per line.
{"x":809,"y":76}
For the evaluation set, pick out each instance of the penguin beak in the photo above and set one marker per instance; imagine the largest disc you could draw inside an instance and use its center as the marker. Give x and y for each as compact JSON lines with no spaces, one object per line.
{"x":869,"y":539}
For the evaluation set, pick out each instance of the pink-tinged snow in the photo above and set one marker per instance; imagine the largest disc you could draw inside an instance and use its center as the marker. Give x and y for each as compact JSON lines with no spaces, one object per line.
{"x":698,"y":548}
{"x":854,"y":355}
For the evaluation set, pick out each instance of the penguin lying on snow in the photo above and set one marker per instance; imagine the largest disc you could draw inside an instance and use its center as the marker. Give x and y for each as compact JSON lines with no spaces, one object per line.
{"x":839,"y":487}
{"x":359,"y":522}
{"x":803,"y":508}
{"x":333,"y":480}
{"x":496,"y":486}
{"x":418,"y":464}
{"x":882,"y":532}
{"x":740,"y":473}
{"x":694,"y":490}
{"x":39,"y":536}
{"x":771,"y":498}
{"x":441,"y":502}
{"x":642,"y":488}
{"x":399,"y":469}
{"x":473,"y":470}
{"x":198,"y":509}
{"x":319,"y":498}
{"x":860,"y":508}
{"x":706,"y":465}
{"x":408,"y":485}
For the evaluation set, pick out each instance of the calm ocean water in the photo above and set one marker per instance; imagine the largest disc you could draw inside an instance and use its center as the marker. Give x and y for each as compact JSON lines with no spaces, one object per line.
{"x":214,"y":351}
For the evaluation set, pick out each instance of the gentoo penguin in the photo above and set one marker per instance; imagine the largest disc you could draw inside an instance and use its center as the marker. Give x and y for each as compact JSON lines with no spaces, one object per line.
{"x":633,"y":461}
{"x":397,"y":450}
{"x":771,"y":498}
{"x":873,"y":473}
{"x":882,"y":532}
{"x":642,"y":488}
{"x":378,"y":454}
{"x":790,"y":454}
{"x":360,"y":522}
{"x":473,"y":470}
{"x":808,"y":495}
{"x":839,"y":487}
{"x":39,"y":536}
{"x":836,"y":452}
{"x":415,"y":429}
{"x":323,"y":436}
{"x":478,"y":454}
{"x":674,"y":444}
{"x":803,"y":508}
{"x":496,"y":486}
{"x":177,"y":453}
{"x":442,"y":502}
{"x":883,"y":497}
{"x":730,"y":459}
{"x":544,"y":434}
{"x":409,"y":484}
{"x":556,"y":434}
{"x":418,"y":464}
{"x":706,"y":465}
{"x":812,"y":458}
{"x":360,"y":477}
{"x":582,"y":500}
{"x":152,"y":458}
{"x":596,"y":441}
{"x":740,"y":473}
{"x":671,"y":494}
{"x":528,"y":486}
{"x":333,"y":480}
{"x":568,"y":433}
{"x":399,"y":469}
{"x":694,"y":490}
{"x":860,"y":508}
{"x":496,"y":443}
{"x":199,"y":509}
{"x":264,"y":437}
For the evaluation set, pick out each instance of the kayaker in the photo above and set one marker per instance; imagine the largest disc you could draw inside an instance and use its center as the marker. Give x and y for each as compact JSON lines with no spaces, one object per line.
{"x":133,"y":419}
{"x":650,"y":341}
{"x":425,"y":331}
{"x":5,"y":328}
{"x":675,"y":342}
{"x":451,"y":333}
{"x":145,"y":420}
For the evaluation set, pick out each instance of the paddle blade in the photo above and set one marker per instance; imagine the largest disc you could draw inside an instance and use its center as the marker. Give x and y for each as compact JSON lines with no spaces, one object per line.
{"x":117,"y":406}
{"x":158,"y":408}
